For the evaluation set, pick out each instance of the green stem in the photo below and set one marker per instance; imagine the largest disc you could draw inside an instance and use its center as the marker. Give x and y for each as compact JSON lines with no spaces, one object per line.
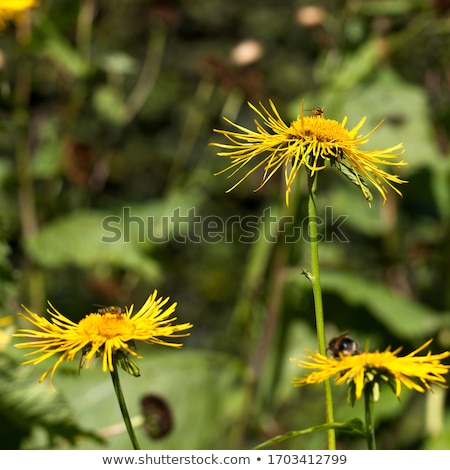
{"x":314,"y":278}
{"x":123,"y":406}
{"x":84,"y":28}
{"x":369,"y":415}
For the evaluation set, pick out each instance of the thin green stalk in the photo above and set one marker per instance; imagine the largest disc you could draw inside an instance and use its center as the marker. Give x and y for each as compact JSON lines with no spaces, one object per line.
{"x":150,"y":71}
{"x":123,"y":406}
{"x":25,"y":186}
{"x":314,"y":278}
{"x":84,"y":28}
{"x":370,"y":419}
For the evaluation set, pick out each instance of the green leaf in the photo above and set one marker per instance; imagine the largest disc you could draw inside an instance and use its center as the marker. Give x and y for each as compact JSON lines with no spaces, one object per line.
{"x":350,"y":207}
{"x":90,"y":239}
{"x":355,"y":179}
{"x":356,"y":66}
{"x":200,"y":388}
{"x":441,"y":186}
{"x":79,"y":240}
{"x":26,"y":404}
{"x":59,"y":50}
{"x":354,"y":425}
{"x":404,"y":317}
{"x":164,"y":220}
{"x":127,"y":364}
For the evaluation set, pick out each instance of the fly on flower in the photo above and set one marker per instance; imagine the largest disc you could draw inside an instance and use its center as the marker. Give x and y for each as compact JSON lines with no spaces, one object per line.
{"x":313,"y":142}
{"x":110,"y":309}
{"x":319,"y":111}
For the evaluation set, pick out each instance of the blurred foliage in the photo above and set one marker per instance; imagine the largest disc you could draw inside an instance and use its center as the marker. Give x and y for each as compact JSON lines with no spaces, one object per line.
{"x":107,"y":191}
{"x":26,"y":406}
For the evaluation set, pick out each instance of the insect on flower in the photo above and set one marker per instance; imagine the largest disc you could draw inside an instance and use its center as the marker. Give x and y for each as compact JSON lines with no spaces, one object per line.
{"x":319,"y":111}
{"x":110,"y":333}
{"x":361,"y":369}
{"x":313,"y":142}
{"x":343,"y":345}
{"x":110,"y":309}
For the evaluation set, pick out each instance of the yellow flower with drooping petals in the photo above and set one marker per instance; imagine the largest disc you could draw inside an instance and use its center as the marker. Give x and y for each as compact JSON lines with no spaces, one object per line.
{"x":414,"y":372}
{"x":312,"y":142}
{"x":106,"y":333}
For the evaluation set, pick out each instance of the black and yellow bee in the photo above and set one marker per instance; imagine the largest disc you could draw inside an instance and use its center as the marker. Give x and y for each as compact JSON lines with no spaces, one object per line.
{"x":343,"y":345}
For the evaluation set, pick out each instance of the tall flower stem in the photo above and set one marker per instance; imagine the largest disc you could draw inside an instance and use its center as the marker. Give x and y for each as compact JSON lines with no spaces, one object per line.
{"x":369,"y":416}
{"x":123,"y":406}
{"x":314,"y":278}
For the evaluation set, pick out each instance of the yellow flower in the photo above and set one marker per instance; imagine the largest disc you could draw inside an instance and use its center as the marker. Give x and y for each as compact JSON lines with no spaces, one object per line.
{"x":13,"y":10}
{"x":310,"y":141}
{"x":414,"y":372}
{"x":106,"y":334}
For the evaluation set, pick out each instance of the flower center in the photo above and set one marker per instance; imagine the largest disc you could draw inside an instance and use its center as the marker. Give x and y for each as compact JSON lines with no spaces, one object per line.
{"x":319,"y":129}
{"x":106,"y":326}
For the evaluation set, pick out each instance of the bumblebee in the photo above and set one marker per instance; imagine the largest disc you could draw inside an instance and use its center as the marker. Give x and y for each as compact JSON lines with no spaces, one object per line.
{"x":343,"y":345}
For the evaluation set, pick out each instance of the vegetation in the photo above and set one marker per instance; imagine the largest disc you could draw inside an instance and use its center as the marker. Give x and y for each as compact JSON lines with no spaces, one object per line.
{"x":108,"y":191}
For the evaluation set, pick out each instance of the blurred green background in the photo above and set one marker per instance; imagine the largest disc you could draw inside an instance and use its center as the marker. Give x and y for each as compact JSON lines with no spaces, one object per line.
{"x":107,"y":110}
